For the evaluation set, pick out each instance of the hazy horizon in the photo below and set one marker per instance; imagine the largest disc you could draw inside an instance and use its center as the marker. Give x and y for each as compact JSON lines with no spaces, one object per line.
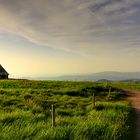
{"x":51,"y":37}
{"x":132,"y":74}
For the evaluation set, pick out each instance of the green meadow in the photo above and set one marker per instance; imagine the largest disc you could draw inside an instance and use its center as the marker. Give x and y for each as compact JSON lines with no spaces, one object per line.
{"x":25,"y":111}
{"x":127,"y":85}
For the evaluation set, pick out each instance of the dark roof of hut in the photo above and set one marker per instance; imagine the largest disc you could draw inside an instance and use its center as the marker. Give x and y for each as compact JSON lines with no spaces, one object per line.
{"x":3,"y":71}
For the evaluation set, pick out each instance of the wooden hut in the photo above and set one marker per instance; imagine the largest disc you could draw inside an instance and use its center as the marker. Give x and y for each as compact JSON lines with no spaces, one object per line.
{"x":3,"y":73}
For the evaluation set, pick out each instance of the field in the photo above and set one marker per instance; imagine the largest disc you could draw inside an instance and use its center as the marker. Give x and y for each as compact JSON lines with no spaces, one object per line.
{"x":25,"y":108}
{"x":127,"y":85}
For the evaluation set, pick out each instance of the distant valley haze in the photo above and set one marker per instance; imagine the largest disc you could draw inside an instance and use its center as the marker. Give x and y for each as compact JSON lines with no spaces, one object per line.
{"x":101,"y":76}
{"x":51,"y":38}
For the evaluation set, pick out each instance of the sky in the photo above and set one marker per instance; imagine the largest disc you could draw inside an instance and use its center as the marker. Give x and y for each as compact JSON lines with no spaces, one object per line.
{"x":56,"y":37}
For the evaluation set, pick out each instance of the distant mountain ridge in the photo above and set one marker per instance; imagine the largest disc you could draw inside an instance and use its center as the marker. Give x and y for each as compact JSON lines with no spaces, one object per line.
{"x":108,"y":75}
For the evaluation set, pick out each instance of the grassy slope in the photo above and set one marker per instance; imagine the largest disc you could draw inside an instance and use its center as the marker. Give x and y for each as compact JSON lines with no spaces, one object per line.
{"x":25,"y":111}
{"x":128,"y":85}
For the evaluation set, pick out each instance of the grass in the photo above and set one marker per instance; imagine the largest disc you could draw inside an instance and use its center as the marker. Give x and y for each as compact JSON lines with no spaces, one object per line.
{"x":127,"y":85}
{"x":25,"y":108}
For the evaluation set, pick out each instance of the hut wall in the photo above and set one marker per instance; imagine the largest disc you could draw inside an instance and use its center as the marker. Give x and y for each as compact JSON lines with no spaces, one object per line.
{"x":3,"y":76}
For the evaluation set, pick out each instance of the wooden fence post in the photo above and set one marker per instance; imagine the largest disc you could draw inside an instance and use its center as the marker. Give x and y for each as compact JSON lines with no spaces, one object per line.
{"x":93,"y":100}
{"x":53,"y":116}
{"x":109,"y":93}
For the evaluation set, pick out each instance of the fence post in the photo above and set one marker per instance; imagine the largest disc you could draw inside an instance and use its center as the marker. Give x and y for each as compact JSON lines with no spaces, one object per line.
{"x":93,"y":100}
{"x":53,"y":116}
{"x":109,"y":92}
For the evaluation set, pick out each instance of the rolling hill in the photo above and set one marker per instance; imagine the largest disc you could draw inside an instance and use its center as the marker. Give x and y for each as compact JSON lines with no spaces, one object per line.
{"x":108,"y":75}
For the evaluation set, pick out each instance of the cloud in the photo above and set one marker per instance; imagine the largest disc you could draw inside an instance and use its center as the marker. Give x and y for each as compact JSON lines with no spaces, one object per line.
{"x":82,"y":26}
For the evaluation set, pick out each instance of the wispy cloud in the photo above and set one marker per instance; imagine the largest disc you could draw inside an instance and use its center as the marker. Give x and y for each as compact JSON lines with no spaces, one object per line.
{"x":73,"y":25}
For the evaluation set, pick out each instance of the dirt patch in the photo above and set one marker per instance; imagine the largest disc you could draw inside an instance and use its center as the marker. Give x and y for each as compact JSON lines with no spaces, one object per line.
{"x":135,"y":100}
